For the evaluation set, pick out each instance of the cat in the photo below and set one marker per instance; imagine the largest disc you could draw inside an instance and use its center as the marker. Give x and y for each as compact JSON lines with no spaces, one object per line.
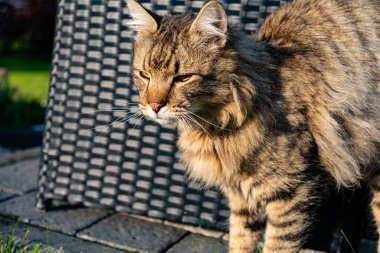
{"x":273,"y":121}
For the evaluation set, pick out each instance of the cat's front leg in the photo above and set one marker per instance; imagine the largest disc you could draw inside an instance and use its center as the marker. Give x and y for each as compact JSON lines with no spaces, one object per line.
{"x":288,"y":222}
{"x":246,"y":226}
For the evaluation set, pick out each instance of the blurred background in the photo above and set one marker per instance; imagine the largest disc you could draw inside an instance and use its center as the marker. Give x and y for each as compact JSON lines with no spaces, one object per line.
{"x":26,"y":42}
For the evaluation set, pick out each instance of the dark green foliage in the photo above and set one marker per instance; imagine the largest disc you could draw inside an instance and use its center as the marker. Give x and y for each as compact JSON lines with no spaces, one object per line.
{"x":17,"y":114}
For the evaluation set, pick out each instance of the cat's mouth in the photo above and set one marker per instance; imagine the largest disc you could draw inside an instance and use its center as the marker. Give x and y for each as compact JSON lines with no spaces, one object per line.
{"x":162,"y":116}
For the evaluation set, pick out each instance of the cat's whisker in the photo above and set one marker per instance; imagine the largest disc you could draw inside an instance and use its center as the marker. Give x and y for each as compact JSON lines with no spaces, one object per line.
{"x":192,"y":119}
{"x":108,"y":128}
{"x":210,"y":122}
{"x":200,"y":125}
{"x":105,"y":130}
{"x":113,"y":109}
{"x":192,"y":130}
{"x":190,"y":127}
{"x":107,"y":125}
{"x":126,"y":106}
{"x":187,"y":125}
{"x":180,"y":122}
{"x":123,"y":118}
{"x":123,"y":101}
{"x":117,"y":123}
{"x":142,"y":116}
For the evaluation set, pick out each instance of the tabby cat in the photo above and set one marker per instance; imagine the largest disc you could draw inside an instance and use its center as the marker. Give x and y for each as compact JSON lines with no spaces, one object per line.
{"x":273,"y":121}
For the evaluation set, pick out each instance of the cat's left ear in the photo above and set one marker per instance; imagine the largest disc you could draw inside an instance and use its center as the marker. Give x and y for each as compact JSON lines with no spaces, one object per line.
{"x":143,"y":20}
{"x":211,"y":22}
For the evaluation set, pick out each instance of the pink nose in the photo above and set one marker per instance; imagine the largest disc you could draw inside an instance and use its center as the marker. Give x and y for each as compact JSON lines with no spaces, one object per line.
{"x":156,"y":106}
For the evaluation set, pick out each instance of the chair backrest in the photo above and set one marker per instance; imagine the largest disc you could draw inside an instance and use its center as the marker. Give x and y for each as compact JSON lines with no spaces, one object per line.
{"x":129,"y":166}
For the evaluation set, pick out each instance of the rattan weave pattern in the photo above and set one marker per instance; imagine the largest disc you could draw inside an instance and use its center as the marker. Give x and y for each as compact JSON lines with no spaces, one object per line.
{"x":134,"y":167}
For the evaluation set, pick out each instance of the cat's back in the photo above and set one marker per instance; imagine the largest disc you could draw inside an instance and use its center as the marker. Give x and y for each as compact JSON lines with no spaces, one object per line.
{"x":303,"y":21}
{"x":332,"y":77}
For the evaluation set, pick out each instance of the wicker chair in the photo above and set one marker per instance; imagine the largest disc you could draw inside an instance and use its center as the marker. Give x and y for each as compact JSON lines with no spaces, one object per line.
{"x":134,"y":166}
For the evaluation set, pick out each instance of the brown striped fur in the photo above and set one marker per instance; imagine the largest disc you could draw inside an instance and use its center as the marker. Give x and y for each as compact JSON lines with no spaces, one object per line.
{"x":274,"y":121}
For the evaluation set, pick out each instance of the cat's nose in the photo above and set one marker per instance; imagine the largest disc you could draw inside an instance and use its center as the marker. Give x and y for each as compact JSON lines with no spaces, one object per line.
{"x":156,"y":106}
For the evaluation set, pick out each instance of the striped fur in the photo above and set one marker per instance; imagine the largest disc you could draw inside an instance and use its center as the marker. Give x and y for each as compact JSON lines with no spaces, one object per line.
{"x":275,"y":121}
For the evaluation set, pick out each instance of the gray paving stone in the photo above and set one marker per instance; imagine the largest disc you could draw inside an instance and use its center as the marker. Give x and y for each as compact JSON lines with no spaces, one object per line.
{"x":64,"y":220}
{"x":5,"y":195}
{"x":10,"y":157}
{"x":20,"y":177}
{"x":195,"y":243}
{"x":52,"y":240}
{"x":124,"y":232}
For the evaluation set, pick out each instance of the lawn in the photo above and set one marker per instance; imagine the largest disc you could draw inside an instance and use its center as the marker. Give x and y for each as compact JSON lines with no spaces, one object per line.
{"x":28,"y":74}
{"x":24,"y":93}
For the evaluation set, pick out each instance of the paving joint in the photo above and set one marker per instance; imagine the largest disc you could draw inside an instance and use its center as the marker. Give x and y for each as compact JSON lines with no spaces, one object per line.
{"x":108,"y":244}
{"x":175,"y":242}
{"x":93,"y":223}
{"x":9,"y":197}
{"x":189,"y":228}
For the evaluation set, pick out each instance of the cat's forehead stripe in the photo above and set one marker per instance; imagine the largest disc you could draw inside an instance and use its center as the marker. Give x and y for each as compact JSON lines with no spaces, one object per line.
{"x":162,"y":55}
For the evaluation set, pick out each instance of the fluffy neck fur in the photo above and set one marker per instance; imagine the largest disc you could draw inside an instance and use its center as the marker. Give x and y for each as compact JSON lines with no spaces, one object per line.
{"x":215,"y":147}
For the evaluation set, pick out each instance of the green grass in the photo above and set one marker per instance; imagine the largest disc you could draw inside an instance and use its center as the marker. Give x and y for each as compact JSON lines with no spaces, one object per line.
{"x":10,"y":244}
{"x":28,"y":75}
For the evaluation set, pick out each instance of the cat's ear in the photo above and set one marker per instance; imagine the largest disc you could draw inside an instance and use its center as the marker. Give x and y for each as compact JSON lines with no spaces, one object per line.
{"x":143,"y":20}
{"x":211,"y":22}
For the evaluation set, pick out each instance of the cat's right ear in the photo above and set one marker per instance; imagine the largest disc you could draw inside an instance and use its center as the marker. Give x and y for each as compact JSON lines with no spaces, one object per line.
{"x":143,"y":20}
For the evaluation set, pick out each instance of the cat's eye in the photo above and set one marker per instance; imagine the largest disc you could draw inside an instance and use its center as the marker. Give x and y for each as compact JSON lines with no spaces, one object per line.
{"x":183,"y":78}
{"x":144,"y":74}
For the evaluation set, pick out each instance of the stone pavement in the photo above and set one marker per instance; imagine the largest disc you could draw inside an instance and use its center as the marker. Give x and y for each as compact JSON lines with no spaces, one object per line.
{"x":89,"y":229}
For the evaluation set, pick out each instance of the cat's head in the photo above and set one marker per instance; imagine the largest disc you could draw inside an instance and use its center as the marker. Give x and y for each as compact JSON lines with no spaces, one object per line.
{"x":183,"y":67}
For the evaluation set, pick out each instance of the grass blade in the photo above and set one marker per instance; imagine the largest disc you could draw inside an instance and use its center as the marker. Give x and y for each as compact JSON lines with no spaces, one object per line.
{"x":345,"y":237}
